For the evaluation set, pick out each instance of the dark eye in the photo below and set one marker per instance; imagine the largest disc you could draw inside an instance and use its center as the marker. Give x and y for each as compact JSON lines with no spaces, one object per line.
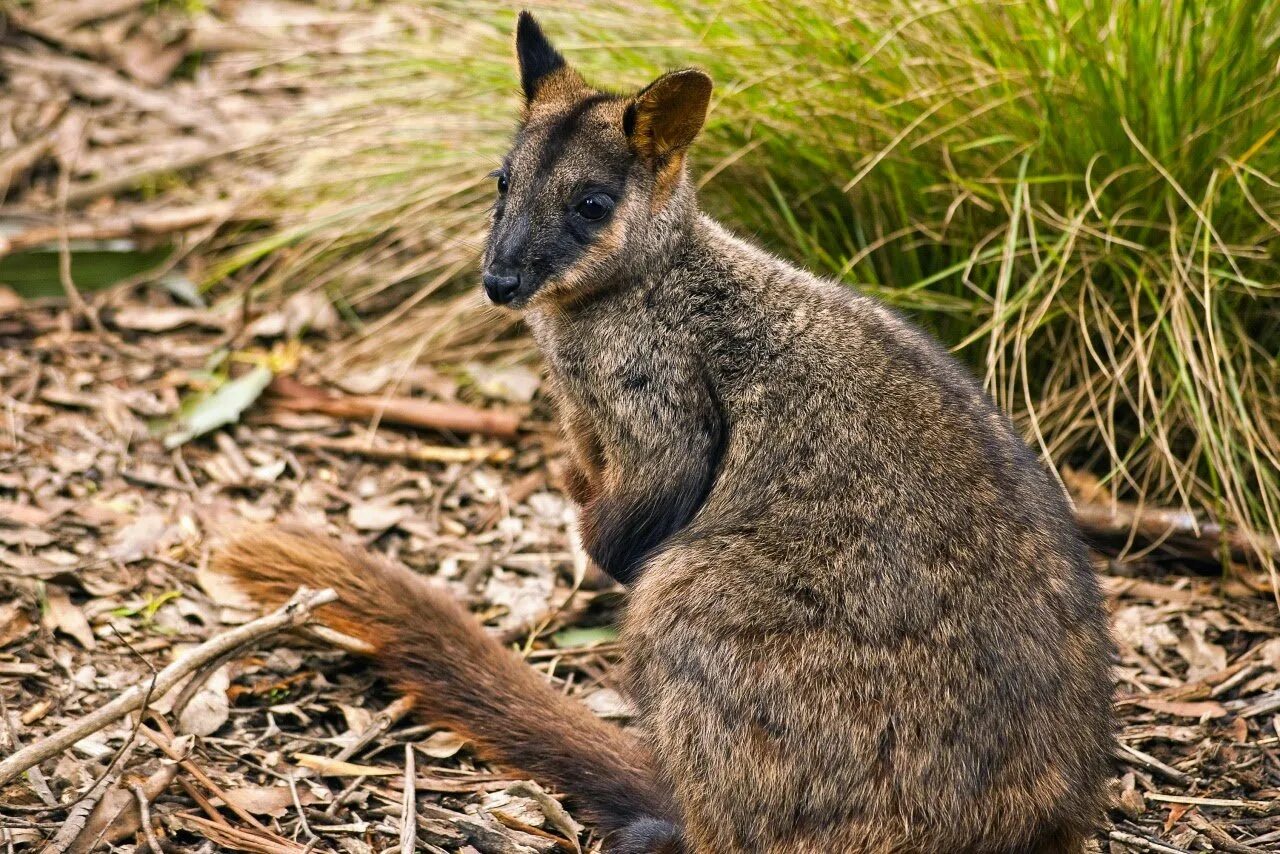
{"x":503,"y":183}
{"x":595,"y":207}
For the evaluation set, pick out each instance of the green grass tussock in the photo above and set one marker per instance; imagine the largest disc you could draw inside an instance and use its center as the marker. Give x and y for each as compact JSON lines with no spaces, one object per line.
{"x":1083,"y":198}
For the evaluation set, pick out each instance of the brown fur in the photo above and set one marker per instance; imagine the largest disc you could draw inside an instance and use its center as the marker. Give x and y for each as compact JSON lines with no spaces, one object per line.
{"x":861,"y":617}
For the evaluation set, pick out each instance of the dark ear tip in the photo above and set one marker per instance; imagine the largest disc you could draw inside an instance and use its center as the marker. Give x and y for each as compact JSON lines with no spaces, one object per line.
{"x":692,"y":74}
{"x":690,"y":80}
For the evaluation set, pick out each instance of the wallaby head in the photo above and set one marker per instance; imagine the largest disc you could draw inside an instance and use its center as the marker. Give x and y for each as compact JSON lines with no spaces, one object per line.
{"x":594,"y":187}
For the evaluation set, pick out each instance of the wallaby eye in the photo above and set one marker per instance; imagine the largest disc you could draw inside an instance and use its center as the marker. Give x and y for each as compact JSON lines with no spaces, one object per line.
{"x":504,"y":183}
{"x":595,"y":207}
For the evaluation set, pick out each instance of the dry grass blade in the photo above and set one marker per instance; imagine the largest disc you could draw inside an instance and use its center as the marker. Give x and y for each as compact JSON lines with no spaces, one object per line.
{"x":236,"y":839}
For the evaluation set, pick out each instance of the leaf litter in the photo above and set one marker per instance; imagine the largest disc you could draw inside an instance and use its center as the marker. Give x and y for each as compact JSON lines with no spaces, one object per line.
{"x":299,"y":737}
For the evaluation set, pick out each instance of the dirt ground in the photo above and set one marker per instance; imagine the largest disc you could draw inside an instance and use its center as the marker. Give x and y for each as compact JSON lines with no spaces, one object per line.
{"x":289,"y":745}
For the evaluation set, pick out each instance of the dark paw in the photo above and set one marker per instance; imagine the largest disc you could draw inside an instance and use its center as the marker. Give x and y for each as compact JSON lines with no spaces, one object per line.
{"x":647,"y":836}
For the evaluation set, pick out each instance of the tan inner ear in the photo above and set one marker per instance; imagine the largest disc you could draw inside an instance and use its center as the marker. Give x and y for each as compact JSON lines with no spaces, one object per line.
{"x":669,"y":114}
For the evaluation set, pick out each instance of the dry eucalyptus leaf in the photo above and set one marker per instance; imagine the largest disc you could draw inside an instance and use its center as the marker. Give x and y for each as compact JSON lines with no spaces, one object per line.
{"x":67,"y":618}
{"x":516,"y":384}
{"x":526,"y":597}
{"x":375,"y":516}
{"x":14,"y":514}
{"x":9,"y":300}
{"x":369,"y":381}
{"x":145,"y":318}
{"x":358,"y":718}
{"x":140,"y":538}
{"x":522,"y":809}
{"x":608,"y":703}
{"x":116,"y":816}
{"x":442,"y":744}
{"x":14,"y":623}
{"x":209,"y":708}
{"x":273,"y":801}
{"x":557,"y":816}
{"x":1202,"y":656}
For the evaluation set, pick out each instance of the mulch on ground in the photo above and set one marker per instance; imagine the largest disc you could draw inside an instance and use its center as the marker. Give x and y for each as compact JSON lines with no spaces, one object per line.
{"x":291,"y":745}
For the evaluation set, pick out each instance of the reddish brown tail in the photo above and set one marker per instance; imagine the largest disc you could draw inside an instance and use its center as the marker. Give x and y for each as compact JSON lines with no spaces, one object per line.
{"x":459,"y":677}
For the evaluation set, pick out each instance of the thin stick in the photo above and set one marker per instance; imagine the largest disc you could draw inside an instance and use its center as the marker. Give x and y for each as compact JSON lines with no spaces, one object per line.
{"x":297,"y":804}
{"x":144,"y":813}
{"x":78,"y":304}
{"x":1144,"y":844}
{"x":292,"y":395}
{"x":381,"y":722}
{"x":1133,"y":756}
{"x":409,"y":811}
{"x":295,"y":612}
{"x":1120,"y":518}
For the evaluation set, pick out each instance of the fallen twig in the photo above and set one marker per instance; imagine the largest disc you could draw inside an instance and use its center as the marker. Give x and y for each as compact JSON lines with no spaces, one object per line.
{"x":404,"y":451}
{"x":409,"y":806}
{"x":295,"y":612}
{"x":453,"y":417}
{"x":159,"y":221}
{"x":1144,"y":844}
{"x":1222,"y":840}
{"x":1120,"y":519}
{"x":1133,"y":756}
{"x":144,"y":813}
{"x":381,"y":722}
{"x":96,"y":83}
{"x":162,"y":741}
{"x":337,"y":639}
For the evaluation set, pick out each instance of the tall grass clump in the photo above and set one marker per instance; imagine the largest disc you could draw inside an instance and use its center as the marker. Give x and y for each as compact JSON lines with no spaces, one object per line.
{"x":1081,"y":197}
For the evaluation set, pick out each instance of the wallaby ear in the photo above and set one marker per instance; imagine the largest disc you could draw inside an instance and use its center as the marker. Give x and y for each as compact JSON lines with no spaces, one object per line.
{"x":538,"y":59}
{"x":666,"y":116}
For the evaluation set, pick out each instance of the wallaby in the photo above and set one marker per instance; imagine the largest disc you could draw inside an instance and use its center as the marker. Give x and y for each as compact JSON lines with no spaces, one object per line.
{"x":861,"y":618}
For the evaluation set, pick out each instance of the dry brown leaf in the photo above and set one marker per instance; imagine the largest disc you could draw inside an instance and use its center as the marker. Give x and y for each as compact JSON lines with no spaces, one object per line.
{"x":14,"y":623}
{"x":139,"y":538}
{"x":442,"y":744}
{"x":14,"y":514}
{"x":274,"y":801}
{"x":608,"y":703}
{"x":209,"y":708}
{"x":358,"y":719}
{"x":116,"y":816}
{"x":66,"y":617}
{"x":9,"y":300}
{"x":1202,"y":656}
{"x":376,"y":516}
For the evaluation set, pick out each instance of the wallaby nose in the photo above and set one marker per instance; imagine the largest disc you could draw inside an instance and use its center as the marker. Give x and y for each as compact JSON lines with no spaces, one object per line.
{"x":500,"y":285}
